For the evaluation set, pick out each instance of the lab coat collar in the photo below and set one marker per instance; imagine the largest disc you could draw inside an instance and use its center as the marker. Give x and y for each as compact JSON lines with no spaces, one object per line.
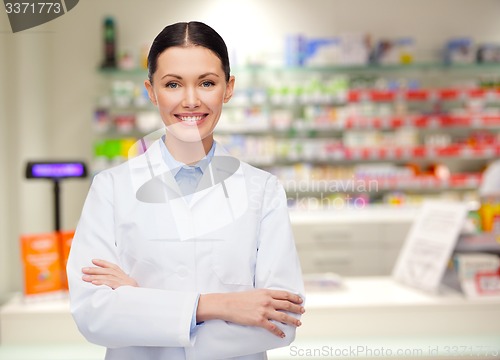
{"x":152,"y":174}
{"x":151,"y":179}
{"x":158,"y":164}
{"x":176,"y":165}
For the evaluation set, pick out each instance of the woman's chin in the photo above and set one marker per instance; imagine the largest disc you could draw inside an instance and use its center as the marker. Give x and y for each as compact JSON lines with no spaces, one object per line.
{"x":189,"y":134}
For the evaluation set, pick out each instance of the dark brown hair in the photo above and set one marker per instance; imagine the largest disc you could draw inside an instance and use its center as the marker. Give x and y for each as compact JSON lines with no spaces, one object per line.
{"x":186,"y":34}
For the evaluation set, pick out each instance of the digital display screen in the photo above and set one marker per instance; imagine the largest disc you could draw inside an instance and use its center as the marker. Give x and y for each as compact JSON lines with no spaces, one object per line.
{"x":56,"y":170}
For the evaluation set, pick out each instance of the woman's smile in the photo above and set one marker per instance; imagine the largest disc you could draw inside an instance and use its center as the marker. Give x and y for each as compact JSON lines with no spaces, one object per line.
{"x":191,"y":119}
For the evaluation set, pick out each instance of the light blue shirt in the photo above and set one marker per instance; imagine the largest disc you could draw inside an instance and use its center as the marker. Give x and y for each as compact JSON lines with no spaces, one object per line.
{"x":187,"y":177}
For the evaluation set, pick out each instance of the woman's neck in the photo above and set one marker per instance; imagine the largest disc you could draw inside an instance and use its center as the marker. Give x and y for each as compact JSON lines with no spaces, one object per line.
{"x":188,"y":152}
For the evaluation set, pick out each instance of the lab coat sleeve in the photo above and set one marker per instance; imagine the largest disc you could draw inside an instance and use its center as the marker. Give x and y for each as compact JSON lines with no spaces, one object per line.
{"x":127,"y":316}
{"x":277,"y":267}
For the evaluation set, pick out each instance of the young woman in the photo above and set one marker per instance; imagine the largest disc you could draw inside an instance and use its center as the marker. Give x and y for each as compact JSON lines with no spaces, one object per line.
{"x":184,"y":252}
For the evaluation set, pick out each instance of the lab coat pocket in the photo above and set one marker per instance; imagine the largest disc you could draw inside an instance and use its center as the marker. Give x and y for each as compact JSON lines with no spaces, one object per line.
{"x":232,"y":264}
{"x":155,"y":223}
{"x":154,"y":263}
{"x":147,"y":244}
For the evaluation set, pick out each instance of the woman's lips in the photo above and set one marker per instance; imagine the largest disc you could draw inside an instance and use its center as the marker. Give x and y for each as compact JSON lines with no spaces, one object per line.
{"x":191,"y":119}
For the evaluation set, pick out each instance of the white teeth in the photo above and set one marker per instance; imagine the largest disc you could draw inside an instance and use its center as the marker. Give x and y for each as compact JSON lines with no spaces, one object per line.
{"x":191,"y":118}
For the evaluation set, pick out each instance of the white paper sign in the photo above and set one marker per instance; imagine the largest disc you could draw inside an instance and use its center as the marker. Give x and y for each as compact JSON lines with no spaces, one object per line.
{"x":429,"y":245}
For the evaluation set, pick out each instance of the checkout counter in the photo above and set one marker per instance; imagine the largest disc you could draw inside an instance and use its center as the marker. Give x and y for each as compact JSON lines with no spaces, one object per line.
{"x":356,"y":316}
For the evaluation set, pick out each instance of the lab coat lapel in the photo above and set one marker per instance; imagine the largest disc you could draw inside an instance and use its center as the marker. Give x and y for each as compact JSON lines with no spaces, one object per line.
{"x":150,"y":174}
{"x":160,"y":187}
{"x":208,"y":183}
{"x":216,"y":208}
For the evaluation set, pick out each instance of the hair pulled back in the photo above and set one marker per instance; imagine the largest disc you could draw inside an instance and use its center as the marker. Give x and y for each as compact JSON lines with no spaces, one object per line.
{"x":184,"y":34}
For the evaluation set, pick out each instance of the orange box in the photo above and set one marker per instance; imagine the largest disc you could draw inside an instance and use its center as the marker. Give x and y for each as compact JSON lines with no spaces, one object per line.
{"x":42,"y":263}
{"x":65,"y":240}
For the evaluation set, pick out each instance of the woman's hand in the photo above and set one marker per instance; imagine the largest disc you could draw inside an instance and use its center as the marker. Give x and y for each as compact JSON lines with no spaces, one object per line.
{"x":108,"y":274}
{"x":254,"y":308}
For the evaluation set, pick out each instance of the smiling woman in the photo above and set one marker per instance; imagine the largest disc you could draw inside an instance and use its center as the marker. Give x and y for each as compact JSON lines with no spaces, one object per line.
{"x":189,"y":88}
{"x":185,"y":252}
{"x":189,"y":81}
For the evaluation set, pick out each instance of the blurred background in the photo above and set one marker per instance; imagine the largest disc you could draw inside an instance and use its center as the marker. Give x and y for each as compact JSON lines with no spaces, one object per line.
{"x":363,"y":109}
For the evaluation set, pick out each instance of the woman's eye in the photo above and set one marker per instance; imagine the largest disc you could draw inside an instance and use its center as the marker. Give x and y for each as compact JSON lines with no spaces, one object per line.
{"x":207,"y":83}
{"x":172,"y":85}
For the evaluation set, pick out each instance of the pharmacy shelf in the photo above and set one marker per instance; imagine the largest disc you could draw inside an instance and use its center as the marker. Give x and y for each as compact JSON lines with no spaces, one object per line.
{"x":311,"y":129}
{"x":416,"y":66}
{"x":488,"y":242}
{"x":453,"y":150}
{"x":443,"y":94}
{"x":422,"y":122}
{"x":340,"y":153}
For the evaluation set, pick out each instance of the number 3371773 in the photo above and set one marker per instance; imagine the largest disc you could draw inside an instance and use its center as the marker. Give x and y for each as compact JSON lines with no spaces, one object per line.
{"x":33,"y":8}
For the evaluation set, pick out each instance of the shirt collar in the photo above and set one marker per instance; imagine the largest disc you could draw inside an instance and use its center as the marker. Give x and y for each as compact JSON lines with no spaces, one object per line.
{"x":175,"y":166}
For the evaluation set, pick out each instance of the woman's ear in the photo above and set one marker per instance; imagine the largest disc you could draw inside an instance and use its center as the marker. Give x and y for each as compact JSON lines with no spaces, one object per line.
{"x":229,"y":89}
{"x":151,"y":93}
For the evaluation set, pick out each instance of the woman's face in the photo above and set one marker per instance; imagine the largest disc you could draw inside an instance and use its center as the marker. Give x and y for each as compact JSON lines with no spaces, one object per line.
{"x":189,"y":89}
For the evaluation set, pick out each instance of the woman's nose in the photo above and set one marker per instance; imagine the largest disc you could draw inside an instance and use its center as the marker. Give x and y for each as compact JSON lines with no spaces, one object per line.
{"x":191,"y":99}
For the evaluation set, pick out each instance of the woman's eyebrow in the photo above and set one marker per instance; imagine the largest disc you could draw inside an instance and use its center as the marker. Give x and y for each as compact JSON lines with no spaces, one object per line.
{"x":199,"y":77}
{"x":172,"y":75}
{"x":206,"y":74}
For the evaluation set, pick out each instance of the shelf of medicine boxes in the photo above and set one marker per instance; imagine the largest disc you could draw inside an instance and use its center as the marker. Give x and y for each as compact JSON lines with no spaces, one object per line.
{"x":333,"y":152}
{"x":311,"y":140}
{"x":484,"y":242}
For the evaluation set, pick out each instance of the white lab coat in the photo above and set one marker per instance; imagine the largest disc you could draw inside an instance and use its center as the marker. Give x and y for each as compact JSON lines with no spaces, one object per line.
{"x":176,"y":250}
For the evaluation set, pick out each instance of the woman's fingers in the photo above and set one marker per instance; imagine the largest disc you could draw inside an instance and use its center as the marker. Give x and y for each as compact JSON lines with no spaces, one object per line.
{"x":97,"y":271}
{"x":109,"y":280}
{"x":288,"y":306}
{"x":91,"y":278}
{"x":284,"y":318}
{"x":264,"y":322}
{"x":105,"y":264}
{"x":261,"y":307}
{"x":102,"y":280}
{"x":285,"y":295}
{"x":97,"y":278}
{"x":273,"y":328}
{"x":106,"y":273}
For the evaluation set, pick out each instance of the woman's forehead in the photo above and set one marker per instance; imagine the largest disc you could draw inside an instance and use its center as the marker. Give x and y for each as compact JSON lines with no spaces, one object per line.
{"x":189,"y":59}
